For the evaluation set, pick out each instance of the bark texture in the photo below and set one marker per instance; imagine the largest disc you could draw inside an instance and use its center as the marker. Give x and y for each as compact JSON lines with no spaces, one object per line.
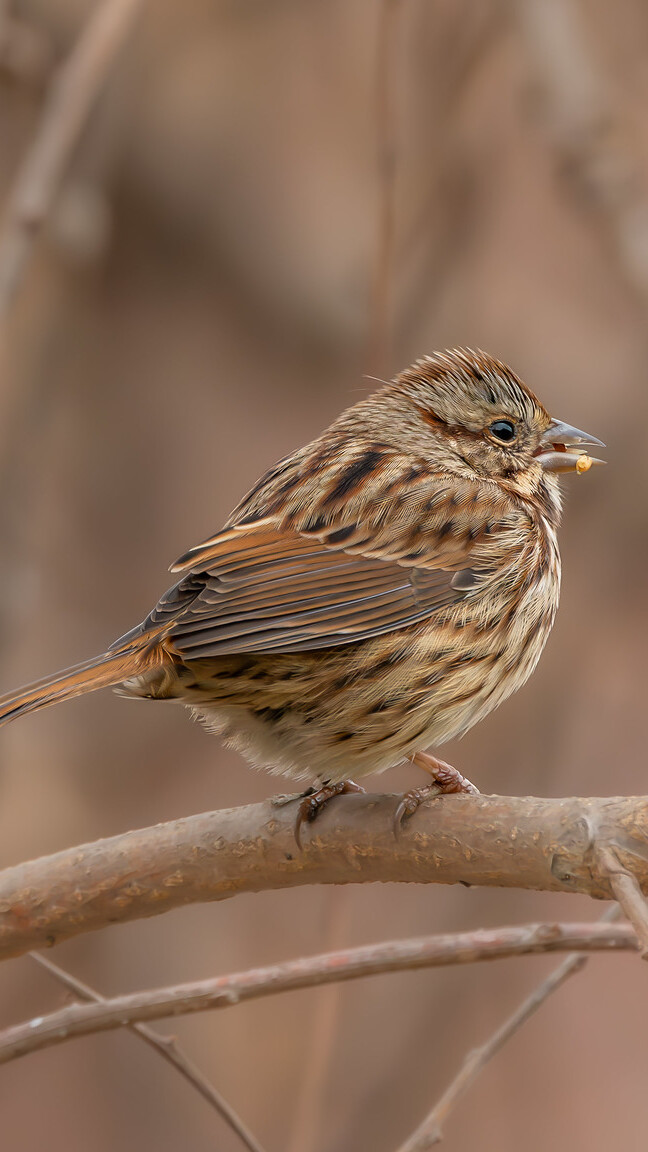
{"x":520,"y":842}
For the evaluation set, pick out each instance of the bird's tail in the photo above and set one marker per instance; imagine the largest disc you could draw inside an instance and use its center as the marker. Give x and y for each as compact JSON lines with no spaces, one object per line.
{"x":102,"y":672}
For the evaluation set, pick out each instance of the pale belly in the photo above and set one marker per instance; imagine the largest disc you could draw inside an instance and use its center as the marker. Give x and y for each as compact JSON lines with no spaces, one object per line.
{"x":350,"y":711}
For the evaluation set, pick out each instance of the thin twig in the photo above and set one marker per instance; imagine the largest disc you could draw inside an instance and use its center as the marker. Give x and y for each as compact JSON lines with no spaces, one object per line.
{"x":430,"y":1132}
{"x":73,"y":94}
{"x":167,"y":1047}
{"x":386,"y":135}
{"x":348,"y":964}
{"x":628,"y":893}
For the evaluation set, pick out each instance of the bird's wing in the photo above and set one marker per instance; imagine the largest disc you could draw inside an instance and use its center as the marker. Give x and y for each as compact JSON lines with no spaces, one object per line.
{"x":264,"y":587}
{"x":276,"y":591}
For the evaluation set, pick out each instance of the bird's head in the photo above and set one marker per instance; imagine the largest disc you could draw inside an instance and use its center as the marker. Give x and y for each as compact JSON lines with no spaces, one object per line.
{"x":467,"y":412}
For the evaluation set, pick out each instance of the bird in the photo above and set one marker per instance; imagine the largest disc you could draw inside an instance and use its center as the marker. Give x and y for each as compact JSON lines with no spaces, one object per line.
{"x":377,"y":592}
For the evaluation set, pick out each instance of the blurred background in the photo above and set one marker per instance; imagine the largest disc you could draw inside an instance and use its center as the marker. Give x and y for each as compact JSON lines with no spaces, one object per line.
{"x":269,"y":201}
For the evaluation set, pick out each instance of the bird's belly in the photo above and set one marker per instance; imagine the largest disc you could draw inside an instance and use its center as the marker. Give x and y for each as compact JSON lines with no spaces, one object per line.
{"x":362,"y":708}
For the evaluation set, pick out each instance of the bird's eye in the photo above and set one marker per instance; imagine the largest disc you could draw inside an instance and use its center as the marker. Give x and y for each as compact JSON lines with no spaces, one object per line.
{"x":503,"y":430}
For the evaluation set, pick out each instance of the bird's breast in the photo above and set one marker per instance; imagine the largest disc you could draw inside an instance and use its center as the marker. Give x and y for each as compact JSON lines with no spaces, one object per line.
{"x":498,"y":633}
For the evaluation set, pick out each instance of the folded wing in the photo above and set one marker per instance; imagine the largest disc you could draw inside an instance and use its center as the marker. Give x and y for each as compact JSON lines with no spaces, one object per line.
{"x":256,"y":589}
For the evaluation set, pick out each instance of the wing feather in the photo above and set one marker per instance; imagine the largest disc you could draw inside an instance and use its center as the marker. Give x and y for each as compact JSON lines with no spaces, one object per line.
{"x":275,"y":591}
{"x":301,"y":580}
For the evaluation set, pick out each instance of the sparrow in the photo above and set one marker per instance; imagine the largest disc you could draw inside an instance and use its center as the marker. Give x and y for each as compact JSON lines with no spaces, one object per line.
{"x":376,"y":592}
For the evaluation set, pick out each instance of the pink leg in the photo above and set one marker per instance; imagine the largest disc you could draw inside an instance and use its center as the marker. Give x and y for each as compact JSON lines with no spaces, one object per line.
{"x":446,"y":780}
{"x":449,"y":779}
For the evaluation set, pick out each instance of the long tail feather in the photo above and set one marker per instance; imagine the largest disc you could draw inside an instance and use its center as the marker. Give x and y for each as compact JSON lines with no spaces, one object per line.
{"x":102,"y":672}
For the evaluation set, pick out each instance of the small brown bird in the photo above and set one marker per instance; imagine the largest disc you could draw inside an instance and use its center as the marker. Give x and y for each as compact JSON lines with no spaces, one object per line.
{"x":379,"y":590}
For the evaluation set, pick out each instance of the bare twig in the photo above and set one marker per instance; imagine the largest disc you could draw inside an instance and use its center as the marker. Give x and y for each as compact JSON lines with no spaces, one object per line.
{"x":72,"y":97}
{"x":348,"y":964}
{"x":506,"y":842}
{"x":430,"y":1132}
{"x":627,"y":891}
{"x":386,"y":133}
{"x":168,"y":1048}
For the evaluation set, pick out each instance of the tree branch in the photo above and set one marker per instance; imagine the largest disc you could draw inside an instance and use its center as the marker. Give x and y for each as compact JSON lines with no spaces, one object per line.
{"x":168,"y":1049}
{"x":510,"y":842}
{"x":627,"y":891}
{"x":430,"y":1131}
{"x":348,"y":964}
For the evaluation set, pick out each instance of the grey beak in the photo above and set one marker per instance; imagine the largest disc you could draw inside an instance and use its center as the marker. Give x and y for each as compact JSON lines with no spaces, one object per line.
{"x":560,"y":433}
{"x":564,"y":449}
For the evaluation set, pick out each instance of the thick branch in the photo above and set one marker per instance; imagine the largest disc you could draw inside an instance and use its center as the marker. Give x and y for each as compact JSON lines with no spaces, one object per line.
{"x":520,"y":842}
{"x":347,"y":964}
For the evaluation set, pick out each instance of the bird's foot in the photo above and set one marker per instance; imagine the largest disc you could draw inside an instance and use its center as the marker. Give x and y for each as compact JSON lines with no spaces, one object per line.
{"x":314,"y":800}
{"x":446,"y":780}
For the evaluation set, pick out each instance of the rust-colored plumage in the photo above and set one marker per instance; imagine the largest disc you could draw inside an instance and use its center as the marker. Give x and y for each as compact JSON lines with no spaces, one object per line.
{"x":379,"y":590}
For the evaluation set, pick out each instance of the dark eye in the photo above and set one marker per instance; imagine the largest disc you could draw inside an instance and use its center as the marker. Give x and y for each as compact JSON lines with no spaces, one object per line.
{"x":503,"y":430}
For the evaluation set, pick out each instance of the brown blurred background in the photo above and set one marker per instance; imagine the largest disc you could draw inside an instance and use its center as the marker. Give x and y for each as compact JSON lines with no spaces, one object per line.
{"x":230,"y":252}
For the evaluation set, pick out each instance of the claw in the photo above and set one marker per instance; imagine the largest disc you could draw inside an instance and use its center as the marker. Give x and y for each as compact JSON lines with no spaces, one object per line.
{"x":446,"y":780}
{"x":314,"y":800}
{"x":410,"y":801}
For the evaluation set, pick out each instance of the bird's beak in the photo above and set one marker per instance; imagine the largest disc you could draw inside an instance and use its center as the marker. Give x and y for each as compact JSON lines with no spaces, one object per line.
{"x":565,"y":449}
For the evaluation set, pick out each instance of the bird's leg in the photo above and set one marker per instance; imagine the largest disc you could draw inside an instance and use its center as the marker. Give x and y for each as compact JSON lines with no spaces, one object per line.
{"x":314,"y":800}
{"x":446,"y":780}
{"x":449,"y":779}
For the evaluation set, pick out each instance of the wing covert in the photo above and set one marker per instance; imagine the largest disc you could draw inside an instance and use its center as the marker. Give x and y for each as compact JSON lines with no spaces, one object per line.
{"x":274,"y":591}
{"x":323,"y":573}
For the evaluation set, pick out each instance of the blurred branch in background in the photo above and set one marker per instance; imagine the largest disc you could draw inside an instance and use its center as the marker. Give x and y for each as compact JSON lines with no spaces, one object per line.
{"x":168,"y":1048}
{"x":26,"y":54}
{"x":73,"y":95}
{"x":515,"y":842}
{"x":387,"y":80}
{"x":595,"y":146}
{"x":445,"y":221}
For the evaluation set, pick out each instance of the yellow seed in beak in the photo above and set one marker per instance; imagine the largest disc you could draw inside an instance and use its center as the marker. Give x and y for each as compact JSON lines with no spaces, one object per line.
{"x":583,"y":464}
